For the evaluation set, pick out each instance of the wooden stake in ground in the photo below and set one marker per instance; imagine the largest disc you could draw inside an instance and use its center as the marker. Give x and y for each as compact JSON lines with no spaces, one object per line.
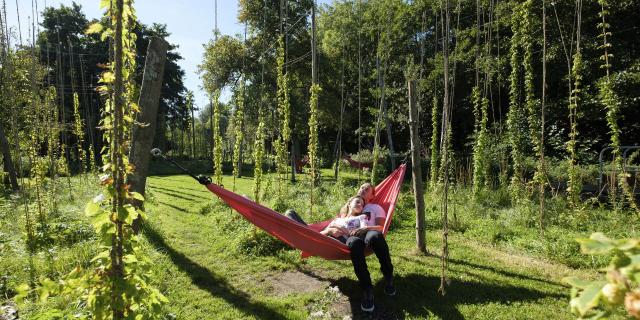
{"x":416,"y":167}
{"x":8,"y":163}
{"x":142,"y":137}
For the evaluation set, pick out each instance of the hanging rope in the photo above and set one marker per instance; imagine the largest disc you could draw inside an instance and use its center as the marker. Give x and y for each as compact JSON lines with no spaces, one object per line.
{"x":338,"y":146}
{"x":542,"y":119}
{"x":359,"y":80}
{"x":444,"y":256}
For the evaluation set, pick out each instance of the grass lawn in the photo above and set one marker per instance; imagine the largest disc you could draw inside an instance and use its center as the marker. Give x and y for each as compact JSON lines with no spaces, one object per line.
{"x":212,"y":264}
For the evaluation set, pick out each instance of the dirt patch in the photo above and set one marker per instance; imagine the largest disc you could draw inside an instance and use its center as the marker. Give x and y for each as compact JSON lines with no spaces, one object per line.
{"x":293,"y":282}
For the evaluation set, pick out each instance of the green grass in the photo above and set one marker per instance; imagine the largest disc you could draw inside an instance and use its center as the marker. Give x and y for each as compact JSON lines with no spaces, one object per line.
{"x":210,"y":264}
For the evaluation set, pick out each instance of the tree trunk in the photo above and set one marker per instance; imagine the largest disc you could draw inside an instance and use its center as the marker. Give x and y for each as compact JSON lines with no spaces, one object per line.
{"x":8,"y":163}
{"x":416,"y":168}
{"x":142,"y":138}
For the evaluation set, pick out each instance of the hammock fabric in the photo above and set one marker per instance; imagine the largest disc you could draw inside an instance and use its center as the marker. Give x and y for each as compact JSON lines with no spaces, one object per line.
{"x":308,"y":238}
{"x":358,"y":164}
{"x":301,"y":163}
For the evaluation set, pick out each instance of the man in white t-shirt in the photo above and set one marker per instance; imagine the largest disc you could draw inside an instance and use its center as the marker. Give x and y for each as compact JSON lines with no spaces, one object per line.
{"x":367,"y":192}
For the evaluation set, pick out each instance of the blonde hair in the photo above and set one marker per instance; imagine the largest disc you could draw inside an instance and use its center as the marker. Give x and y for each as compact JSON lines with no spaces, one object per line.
{"x":344,"y":211}
{"x":368,"y":185}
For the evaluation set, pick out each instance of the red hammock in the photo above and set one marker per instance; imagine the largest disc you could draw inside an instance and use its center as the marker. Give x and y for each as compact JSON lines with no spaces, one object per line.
{"x":301,"y":163}
{"x":307,"y":238}
{"x":357,"y":164}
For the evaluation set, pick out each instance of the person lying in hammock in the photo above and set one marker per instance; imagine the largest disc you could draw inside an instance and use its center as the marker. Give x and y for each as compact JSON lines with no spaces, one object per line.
{"x":351,"y":221}
{"x":362,"y":238}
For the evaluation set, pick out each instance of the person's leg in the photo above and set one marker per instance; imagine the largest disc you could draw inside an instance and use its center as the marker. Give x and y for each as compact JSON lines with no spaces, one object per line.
{"x":293,"y":215}
{"x":357,"y":247}
{"x":378,"y":244}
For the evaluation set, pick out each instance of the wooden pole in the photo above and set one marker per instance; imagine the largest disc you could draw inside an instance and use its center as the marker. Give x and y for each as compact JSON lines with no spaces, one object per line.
{"x":416,"y":168}
{"x":8,"y":163}
{"x":142,"y":137}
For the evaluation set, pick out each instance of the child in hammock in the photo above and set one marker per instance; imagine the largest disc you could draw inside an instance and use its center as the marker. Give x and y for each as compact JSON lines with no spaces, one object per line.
{"x":351,"y":219}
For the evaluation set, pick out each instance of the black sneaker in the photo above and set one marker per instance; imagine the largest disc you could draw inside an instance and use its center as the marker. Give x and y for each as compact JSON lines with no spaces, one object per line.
{"x":367,"y":300}
{"x":389,"y":288}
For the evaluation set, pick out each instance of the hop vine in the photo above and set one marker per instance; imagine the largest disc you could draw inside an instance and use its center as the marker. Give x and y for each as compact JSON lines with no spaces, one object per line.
{"x":313,"y":140}
{"x":239,"y":132}
{"x":480,"y":155}
{"x":284,"y":111}
{"x":258,"y":155}
{"x":435,"y":131}
{"x":516,"y":120}
{"x":217,"y":139}
{"x":78,"y":131}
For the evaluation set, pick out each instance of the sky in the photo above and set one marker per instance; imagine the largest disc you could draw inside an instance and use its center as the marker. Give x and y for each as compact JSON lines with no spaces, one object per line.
{"x":190,"y":22}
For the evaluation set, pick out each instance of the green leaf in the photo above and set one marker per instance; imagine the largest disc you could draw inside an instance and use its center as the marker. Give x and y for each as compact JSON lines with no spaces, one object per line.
{"x":94,"y":28}
{"x":627,"y":244}
{"x":130,"y":258}
{"x":137,"y":196}
{"x":23,"y":291}
{"x":576,"y":282}
{"x":102,"y":255}
{"x":598,"y":243}
{"x":92,"y":209}
{"x":589,"y":297}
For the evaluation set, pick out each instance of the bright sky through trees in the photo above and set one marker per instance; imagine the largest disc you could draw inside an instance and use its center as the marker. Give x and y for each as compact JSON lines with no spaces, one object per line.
{"x":190,"y":23}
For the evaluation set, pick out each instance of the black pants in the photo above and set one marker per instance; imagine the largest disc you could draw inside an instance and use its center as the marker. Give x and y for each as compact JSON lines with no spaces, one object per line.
{"x":378,"y":244}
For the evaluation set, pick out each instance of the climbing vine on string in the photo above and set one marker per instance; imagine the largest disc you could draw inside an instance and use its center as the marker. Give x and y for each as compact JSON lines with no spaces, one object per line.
{"x":78,"y":131}
{"x":435,"y":132}
{"x":284,"y":111}
{"x":238,"y":123}
{"x":217,"y":139}
{"x":516,"y":119}
{"x":258,"y":155}
{"x":314,"y":162}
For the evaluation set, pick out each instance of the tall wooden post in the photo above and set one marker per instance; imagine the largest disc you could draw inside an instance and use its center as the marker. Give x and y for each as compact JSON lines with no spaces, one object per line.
{"x":8,"y":164}
{"x":142,"y":138}
{"x":314,"y":76}
{"x":416,"y":168}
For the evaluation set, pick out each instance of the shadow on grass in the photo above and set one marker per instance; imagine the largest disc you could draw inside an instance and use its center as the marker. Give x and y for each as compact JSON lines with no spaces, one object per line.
{"x":495,"y":270}
{"x":179,"y":209}
{"x":178,"y":194}
{"x":418,"y":296}
{"x":206,"y":280}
